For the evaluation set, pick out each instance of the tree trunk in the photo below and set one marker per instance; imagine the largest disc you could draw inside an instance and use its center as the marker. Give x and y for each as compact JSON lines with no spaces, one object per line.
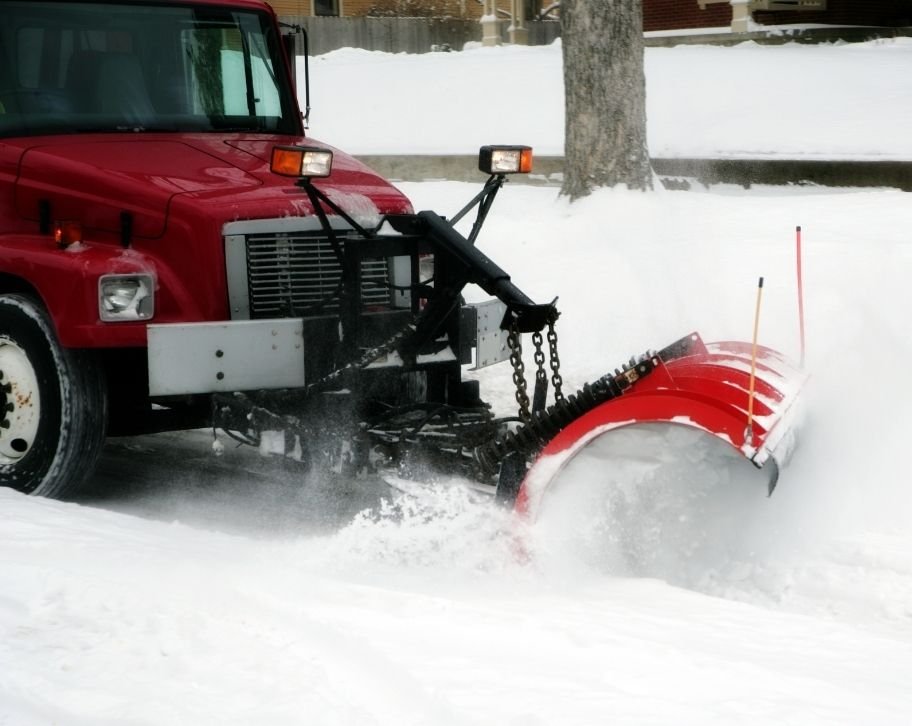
{"x":605,"y":96}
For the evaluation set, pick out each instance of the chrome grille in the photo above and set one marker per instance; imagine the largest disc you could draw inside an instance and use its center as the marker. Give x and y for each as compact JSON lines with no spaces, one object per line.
{"x":297,"y":273}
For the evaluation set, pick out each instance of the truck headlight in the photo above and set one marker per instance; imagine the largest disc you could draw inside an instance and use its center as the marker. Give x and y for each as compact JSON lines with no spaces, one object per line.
{"x":126,"y":297}
{"x":505,"y":159}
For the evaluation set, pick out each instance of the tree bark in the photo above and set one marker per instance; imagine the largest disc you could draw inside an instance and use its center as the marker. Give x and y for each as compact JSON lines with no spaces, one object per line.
{"x":605,"y":96}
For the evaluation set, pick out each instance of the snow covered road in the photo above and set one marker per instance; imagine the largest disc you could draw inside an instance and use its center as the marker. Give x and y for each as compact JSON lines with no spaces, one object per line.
{"x":109,"y":619}
{"x":206,"y":591}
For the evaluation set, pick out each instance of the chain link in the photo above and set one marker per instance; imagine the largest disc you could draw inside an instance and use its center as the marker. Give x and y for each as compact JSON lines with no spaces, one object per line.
{"x":540,"y":395}
{"x":514,"y":341}
{"x":556,"y":379}
{"x":539,"y":356}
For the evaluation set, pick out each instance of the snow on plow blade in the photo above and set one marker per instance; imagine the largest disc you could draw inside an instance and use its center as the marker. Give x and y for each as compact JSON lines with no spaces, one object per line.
{"x":692,"y":384}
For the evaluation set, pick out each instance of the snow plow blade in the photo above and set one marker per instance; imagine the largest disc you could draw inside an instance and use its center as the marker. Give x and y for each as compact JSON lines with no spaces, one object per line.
{"x":691,"y":384}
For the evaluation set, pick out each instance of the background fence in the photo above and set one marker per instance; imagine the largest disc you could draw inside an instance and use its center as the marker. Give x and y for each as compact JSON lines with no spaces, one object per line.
{"x":405,"y":35}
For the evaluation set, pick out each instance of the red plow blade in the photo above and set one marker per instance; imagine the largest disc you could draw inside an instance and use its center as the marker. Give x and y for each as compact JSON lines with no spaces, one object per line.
{"x":717,"y":388}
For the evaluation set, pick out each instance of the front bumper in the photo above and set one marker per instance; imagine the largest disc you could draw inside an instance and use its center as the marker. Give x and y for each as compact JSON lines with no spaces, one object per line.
{"x":249,"y":355}
{"x":242,"y":355}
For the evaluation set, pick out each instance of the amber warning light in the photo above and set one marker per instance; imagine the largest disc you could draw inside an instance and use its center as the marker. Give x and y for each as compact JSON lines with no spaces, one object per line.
{"x":505,"y":159}
{"x":301,"y":161}
{"x":67,"y":233}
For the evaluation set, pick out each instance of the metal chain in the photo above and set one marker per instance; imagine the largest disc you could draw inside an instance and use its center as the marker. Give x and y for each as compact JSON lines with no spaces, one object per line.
{"x":556,"y":379}
{"x":514,"y":341}
{"x":540,"y":395}
{"x":539,"y":356}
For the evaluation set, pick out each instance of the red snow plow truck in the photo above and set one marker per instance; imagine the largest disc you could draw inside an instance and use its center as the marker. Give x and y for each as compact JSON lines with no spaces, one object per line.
{"x":175,"y":253}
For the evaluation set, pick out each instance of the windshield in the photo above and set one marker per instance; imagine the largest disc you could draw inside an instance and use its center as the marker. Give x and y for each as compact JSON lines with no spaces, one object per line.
{"x":83,"y":67}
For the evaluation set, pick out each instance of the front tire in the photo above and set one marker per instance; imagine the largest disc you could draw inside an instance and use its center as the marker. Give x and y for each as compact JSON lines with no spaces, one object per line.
{"x":53,"y":405}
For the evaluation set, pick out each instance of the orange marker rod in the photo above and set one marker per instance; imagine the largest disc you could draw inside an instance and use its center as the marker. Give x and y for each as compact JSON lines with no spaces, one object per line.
{"x":800,"y":291}
{"x":749,"y":432}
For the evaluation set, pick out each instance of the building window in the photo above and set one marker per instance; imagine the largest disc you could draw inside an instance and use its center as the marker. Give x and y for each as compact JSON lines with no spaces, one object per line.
{"x":326,"y":7}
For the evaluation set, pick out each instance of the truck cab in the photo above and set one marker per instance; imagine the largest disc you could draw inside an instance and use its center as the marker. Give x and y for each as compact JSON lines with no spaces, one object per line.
{"x":151,"y":257}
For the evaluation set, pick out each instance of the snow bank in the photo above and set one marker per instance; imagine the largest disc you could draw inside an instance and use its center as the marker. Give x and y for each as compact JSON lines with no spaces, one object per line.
{"x":838,"y":101}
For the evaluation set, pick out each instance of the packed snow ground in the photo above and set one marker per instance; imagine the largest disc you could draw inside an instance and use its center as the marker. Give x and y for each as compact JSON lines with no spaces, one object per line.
{"x":840,"y":101}
{"x":204,"y":605}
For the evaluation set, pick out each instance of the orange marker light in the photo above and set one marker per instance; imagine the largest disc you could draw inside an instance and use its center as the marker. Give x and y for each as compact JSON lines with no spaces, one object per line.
{"x":525,"y":161}
{"x":287,"y":160}
{"x":67,"y":233}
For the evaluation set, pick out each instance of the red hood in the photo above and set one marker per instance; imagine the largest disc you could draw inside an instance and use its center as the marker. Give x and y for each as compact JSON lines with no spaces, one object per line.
{"x":94,"y":179}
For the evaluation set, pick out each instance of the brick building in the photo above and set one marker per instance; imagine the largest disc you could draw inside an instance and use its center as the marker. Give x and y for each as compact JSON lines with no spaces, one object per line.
{"x":464,"y":9}
{"x":657,"y":14}
{"x":683,"y":14}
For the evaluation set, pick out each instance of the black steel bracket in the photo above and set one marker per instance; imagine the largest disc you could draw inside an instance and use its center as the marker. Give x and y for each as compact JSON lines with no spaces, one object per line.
{"x":483,"y":200}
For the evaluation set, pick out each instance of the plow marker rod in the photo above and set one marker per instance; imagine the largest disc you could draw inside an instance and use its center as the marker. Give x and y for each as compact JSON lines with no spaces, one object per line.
{"x":749,"y":431}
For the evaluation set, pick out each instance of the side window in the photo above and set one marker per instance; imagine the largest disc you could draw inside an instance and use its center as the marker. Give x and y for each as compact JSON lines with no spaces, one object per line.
{"x":265,"y":95}
{"x":218,"y":76}
{"x":264,"y":86}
